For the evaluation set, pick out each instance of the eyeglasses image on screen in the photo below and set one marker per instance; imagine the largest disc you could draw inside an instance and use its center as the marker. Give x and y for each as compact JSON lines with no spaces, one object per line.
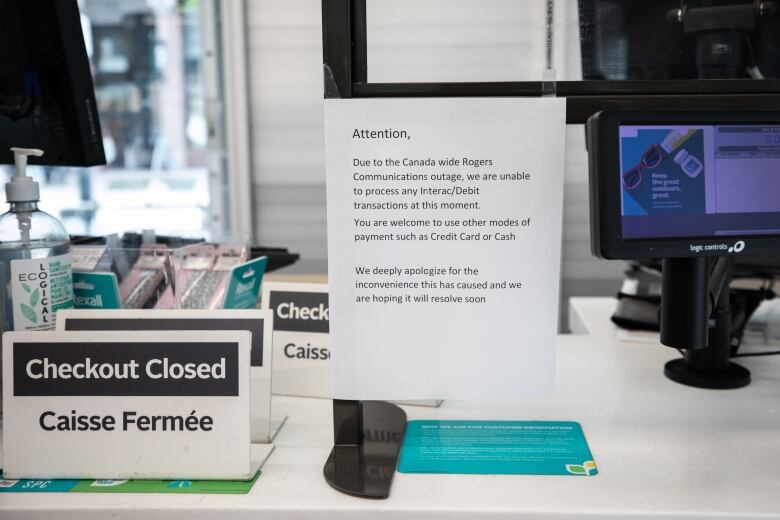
{"x":649,"y":160}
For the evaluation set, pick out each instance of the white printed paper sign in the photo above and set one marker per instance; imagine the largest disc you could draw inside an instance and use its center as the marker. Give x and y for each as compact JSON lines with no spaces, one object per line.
{"x":444,"y":243}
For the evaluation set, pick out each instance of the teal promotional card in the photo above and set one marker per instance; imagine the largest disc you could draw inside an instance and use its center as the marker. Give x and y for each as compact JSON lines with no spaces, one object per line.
{"x":96,"y":291}
{"x":244,"y":285}
{"x":496,"y":448}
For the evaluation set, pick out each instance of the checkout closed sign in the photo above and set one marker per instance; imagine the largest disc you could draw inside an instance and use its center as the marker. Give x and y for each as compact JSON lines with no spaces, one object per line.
{"x":125,"y":369}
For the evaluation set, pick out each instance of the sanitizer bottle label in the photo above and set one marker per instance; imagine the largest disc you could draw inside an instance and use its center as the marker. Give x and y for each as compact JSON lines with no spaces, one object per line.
{"x":40,"y":287}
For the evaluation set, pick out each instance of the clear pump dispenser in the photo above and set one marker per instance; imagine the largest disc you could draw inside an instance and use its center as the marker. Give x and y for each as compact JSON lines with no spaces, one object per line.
{"x":35,"y":271}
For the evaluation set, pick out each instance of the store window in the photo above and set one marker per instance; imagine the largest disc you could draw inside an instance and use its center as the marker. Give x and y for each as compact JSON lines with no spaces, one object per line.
{"x":446,"y":41}
{"x":146,"y":62}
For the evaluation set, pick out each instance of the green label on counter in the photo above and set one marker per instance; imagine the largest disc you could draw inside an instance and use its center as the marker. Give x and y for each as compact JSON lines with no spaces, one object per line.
{"x":208,"y":487}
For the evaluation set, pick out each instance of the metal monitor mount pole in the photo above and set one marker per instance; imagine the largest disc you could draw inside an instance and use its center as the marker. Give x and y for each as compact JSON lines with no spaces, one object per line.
{"x":696,"y":316}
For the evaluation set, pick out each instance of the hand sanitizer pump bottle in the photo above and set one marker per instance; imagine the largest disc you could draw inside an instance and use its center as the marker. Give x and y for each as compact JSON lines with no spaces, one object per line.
{"x":35,"y":271}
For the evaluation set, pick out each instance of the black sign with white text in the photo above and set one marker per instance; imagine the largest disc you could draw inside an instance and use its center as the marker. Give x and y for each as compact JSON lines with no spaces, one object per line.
{"x":300,"y":311}
{"x":126,"y":369}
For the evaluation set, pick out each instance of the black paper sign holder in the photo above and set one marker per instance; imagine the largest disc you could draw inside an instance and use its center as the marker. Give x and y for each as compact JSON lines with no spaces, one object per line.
{"x":367,"y":443}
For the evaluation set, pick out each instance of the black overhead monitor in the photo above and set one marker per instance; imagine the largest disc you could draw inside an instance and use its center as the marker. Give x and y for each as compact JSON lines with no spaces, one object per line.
{"x":47,"y":99}
{"x":679,"y":39}
{"x":684,"y":184}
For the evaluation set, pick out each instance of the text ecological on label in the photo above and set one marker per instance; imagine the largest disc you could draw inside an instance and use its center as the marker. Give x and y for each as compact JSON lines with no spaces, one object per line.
{"x":39,"y":288}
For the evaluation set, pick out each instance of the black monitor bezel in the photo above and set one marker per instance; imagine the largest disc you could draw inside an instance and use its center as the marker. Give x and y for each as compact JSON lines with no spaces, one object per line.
{"x":605,"y":189}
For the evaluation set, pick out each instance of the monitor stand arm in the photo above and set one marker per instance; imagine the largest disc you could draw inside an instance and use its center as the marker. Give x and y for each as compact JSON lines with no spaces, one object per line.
{"x":696,"y":317}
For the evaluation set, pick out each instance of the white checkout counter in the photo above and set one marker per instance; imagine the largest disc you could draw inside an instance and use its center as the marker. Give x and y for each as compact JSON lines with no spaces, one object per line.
{"x":663,"y":451}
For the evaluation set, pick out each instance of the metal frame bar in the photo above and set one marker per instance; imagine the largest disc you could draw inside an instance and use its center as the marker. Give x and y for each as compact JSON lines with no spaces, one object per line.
{"x":211,"y":59}
{"x":238,"y":143}
{"x":345,"y":55}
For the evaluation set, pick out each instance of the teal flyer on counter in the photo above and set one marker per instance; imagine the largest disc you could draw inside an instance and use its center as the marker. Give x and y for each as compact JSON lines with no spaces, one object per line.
{"x":496,"y":448}
{"x":244,"y":285}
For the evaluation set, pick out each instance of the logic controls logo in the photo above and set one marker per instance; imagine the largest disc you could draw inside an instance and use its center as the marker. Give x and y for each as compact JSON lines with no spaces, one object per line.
{"x":737,"y":247}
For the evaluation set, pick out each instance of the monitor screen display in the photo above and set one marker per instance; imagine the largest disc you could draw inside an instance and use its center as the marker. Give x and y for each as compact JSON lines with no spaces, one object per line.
{"x":698,"y":181}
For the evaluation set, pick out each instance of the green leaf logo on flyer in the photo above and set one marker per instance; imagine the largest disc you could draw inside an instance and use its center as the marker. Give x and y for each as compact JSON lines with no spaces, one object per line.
{"x":586,"y":469}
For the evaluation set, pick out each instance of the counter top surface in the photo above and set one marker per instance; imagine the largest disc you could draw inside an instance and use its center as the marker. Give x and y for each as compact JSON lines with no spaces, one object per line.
{"x":663,"y":451}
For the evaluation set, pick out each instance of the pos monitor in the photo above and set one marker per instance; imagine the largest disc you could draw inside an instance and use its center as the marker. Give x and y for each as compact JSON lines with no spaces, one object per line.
{"x":694,"y":189}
